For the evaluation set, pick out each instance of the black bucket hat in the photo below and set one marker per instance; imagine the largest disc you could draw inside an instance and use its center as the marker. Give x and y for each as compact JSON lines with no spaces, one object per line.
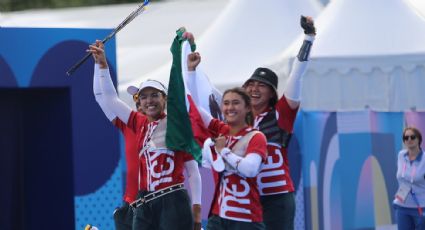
{"x":264,"y":75}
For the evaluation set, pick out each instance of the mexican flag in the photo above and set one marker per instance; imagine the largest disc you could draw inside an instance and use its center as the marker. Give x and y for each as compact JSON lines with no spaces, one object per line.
{"x":185,"y":129}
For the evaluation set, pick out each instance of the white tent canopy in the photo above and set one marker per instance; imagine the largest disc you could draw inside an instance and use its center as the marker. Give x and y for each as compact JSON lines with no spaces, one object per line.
{"x":143,"y":45}
{"x":419,"y":6}
{"x":248,"y":34}
{"x":245,"y":36}
{"x":367,"y":54}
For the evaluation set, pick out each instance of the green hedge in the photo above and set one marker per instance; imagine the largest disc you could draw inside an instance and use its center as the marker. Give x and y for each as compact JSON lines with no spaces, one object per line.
{"x":14,"y":5}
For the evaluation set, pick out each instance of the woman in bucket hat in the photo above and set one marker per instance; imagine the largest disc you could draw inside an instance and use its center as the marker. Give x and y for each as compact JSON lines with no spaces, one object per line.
{"x":275,"y":118}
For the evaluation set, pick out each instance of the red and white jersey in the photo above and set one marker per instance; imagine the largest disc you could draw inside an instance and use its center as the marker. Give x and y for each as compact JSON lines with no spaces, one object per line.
{"x":159,"y":166}
{"x":237,"y":197}
{"x":131,"y":159}
{"x":275,"y":177}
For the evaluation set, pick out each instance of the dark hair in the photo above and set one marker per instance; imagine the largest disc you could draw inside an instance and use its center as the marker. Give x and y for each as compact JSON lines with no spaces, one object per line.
{"x":249,"y":119}
{"x":273,"y":100}
{"x":415,"y":131}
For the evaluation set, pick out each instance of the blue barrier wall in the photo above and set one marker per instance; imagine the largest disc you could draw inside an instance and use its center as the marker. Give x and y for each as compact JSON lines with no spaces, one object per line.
{"x":60,"y":154}
{"x":349,"y":166}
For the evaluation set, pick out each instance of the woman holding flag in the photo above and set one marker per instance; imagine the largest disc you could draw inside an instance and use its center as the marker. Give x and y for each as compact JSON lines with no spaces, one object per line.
{"x":235,"y":154}
{"x":162,"y":203}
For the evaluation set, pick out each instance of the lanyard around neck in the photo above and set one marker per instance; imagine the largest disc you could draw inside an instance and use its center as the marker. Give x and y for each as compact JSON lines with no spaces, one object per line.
{"x":412,"y":175}
{"x":412,"y":172}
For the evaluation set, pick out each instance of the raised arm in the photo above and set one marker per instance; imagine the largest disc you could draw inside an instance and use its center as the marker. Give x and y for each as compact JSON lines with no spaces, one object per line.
{"x":99,"y":96}
{"x":292,"y":89}
{"x":110,"y":102}
{"x":191,"y":60}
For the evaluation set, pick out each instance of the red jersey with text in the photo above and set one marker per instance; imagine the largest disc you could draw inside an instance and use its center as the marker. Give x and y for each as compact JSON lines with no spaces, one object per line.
{"x":131,"y":158}
{"x":159,"y":166}
{"x":237,"y":197}
{"x":277,"y":124}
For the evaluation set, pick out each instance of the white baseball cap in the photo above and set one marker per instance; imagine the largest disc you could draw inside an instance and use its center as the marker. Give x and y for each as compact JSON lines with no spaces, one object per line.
{"x":148,"y":83}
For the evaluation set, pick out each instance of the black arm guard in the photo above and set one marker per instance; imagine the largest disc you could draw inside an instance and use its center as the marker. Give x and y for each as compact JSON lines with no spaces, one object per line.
{"x":304,"y":51}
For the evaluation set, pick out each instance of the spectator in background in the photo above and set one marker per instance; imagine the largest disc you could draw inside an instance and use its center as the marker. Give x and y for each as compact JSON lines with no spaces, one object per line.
{"x":409,"y":200}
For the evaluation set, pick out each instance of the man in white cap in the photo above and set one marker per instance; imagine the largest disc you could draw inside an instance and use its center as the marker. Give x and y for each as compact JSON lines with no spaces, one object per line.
{"x":162,"y":203}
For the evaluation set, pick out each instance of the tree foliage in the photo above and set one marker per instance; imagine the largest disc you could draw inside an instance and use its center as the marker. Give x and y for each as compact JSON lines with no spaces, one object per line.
{"x":15,"y":5}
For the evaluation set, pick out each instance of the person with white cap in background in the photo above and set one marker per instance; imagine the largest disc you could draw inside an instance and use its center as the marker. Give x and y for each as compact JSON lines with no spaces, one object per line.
{"x":123,"y":216}
{"x":162,"y":203}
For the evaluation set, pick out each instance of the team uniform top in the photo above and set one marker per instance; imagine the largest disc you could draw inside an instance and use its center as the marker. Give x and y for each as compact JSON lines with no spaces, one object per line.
{"x":276,"y":124}
{"x":159,"y":166}
{"x":237,"y":197}
{"x":131,"y":157}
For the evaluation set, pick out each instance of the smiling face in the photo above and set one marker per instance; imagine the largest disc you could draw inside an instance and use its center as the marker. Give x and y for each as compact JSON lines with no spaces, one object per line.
{"x":260,"y":94}
{"x":234,"y":109}
{"x":152,"y":103}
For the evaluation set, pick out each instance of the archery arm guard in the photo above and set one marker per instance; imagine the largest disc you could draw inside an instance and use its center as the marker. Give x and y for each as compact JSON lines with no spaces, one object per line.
{"x":304,"y":52}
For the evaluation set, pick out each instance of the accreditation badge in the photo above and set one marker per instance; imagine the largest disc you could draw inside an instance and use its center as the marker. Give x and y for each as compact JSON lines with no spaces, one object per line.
{"x":402,"y":192}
